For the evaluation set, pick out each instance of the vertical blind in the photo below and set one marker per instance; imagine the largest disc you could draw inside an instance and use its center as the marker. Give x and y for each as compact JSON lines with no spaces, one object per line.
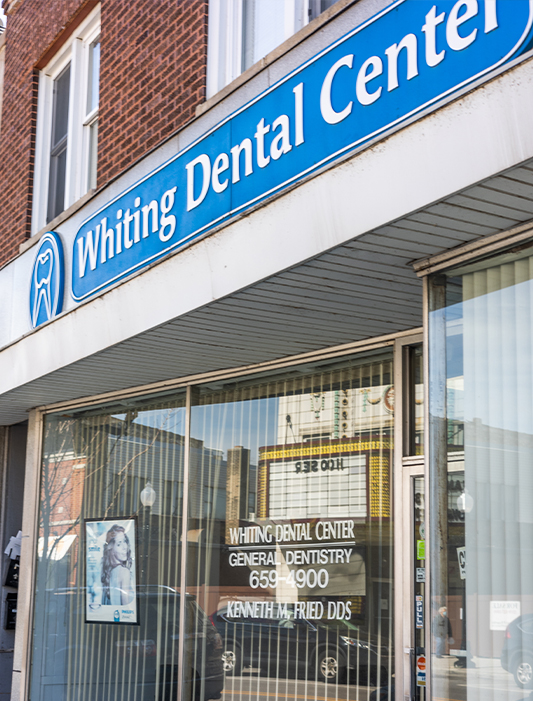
{"x":263,"y":433}
{"x":498,"y":407}
{"x":95,"y":467}
{"x":307,"y":451}
{"x":490,"y":414}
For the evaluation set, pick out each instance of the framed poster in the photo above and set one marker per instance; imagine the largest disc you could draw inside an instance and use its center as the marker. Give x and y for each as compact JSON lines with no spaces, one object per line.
{"x":110,"y":571}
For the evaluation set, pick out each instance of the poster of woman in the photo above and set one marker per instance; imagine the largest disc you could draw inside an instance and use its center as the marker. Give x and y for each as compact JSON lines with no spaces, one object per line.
{"x":110,"y":571}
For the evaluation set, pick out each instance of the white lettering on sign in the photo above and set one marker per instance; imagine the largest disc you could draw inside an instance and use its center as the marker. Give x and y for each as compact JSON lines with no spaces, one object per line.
{"x":273,"y":558}
{"x":332,"y":530}
{"x":112,"y":241}
{"x":199,"y":170}
{"x":328,"y":113}
{"x":392,"y":68}
{"x":309,"y":610}
{"x":368,"y":92}
{"x":292,"y":532}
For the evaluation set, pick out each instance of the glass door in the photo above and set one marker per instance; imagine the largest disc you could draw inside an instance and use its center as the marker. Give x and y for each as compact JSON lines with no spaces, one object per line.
{"x":414,"y":580}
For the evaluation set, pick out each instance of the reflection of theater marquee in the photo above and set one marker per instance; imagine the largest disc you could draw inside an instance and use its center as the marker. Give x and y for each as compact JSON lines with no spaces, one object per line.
{"x":340,"y":478}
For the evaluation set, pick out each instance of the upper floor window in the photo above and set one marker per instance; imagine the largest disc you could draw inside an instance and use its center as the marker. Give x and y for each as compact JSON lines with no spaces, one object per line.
{"x":241,"y":32}
{"x":67,"y":124}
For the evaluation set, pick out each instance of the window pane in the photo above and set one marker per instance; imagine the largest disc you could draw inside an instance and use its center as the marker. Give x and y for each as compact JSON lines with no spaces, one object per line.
{"x":290,"y":530}
{"x":94,"y":77}
{"x":59,"y":143}
{"x":416,"y":401}
{"x":482,"y":440}
{"x":60,"y":109}
{"x":105,"y":561}
{"x":263,"y":28}
{"x":267,"y":23}
{"x":56,"y":183}
{"x":316,"y":7}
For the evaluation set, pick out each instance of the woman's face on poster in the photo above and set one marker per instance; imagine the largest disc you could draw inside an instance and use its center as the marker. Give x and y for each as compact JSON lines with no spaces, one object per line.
{"x":120,"y":547}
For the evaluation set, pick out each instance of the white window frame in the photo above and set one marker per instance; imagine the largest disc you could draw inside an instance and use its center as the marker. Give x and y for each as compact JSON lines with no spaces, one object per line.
{"x":225,"y":37}
{"x":76,"y":52}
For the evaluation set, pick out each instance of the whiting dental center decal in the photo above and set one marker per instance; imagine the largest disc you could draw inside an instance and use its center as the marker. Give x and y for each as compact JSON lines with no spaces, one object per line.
{"x":110,"y":571}
{"x":304,"y":554}
{"x":299,"y":569}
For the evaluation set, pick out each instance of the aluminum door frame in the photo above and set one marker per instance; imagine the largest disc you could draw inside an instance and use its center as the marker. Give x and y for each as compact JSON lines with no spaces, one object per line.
{"x":405,"y":468}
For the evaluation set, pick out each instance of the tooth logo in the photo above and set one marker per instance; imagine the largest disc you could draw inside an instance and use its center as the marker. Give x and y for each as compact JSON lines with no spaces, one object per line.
{"x":47,"y":280}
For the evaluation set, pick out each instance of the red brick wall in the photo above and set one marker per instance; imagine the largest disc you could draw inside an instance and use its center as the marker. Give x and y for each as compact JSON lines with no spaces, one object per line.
{"x":152,"y":76}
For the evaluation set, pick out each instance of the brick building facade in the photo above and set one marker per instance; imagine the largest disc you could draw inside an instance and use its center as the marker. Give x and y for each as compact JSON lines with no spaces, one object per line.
{"x":292,"y":238}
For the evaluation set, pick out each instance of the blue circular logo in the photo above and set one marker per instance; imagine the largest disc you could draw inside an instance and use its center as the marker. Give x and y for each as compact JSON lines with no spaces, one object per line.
{"x":47,"y":280}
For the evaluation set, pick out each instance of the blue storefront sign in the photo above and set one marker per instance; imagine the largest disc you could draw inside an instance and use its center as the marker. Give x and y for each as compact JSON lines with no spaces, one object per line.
{"x":398,"y":65}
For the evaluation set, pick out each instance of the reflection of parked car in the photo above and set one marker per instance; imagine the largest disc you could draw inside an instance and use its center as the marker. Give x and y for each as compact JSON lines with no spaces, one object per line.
{"x":288,"y":647}
{"x":517,"y":651}
{"x":146,"y":654}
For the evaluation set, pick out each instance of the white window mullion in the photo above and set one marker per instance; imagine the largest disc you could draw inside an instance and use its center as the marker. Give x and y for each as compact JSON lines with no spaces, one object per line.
{"x":214,"y":47}
{"x":42,"y":154}
{"x":224,"y":53}
{"x":73,"y":185}
{"x":290,"y":21}
{"x":234,"y":40}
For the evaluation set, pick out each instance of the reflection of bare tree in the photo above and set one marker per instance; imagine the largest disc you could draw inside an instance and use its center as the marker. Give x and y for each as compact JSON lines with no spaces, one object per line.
{"x":123,"y":473}
{"x":57,"y":486}
{"x":75,"y":455}
{"x":86,"y":464}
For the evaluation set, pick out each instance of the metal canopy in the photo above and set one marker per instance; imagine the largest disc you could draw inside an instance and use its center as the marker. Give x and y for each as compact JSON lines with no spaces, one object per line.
{"x":353,"y":292}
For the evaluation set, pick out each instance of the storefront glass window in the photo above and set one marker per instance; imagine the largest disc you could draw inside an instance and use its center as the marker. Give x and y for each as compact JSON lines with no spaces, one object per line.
{"x":107,"y":602}
{"x":288,"y":534}
{"x":415,"y":398}
{"x":481,"y":481}
{"x":290,"y":531}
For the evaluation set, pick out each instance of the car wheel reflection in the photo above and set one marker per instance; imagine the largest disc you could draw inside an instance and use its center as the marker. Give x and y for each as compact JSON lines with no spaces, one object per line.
{"x":331,"y":666}
{"x":523,"y":672}
{"x":231,"y":660}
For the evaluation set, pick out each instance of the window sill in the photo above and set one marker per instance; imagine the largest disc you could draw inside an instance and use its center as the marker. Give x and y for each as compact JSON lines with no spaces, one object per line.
{"x":276,"y":54}
{"x":26,"y":245}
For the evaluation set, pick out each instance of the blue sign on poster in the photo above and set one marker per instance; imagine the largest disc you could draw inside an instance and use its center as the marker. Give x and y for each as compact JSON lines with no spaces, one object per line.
{"x":392,"y":68}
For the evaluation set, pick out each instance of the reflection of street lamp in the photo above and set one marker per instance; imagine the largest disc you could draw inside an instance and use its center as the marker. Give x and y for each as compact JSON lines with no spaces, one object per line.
{"x":465,"y":503}
{"x":148,"y":495}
